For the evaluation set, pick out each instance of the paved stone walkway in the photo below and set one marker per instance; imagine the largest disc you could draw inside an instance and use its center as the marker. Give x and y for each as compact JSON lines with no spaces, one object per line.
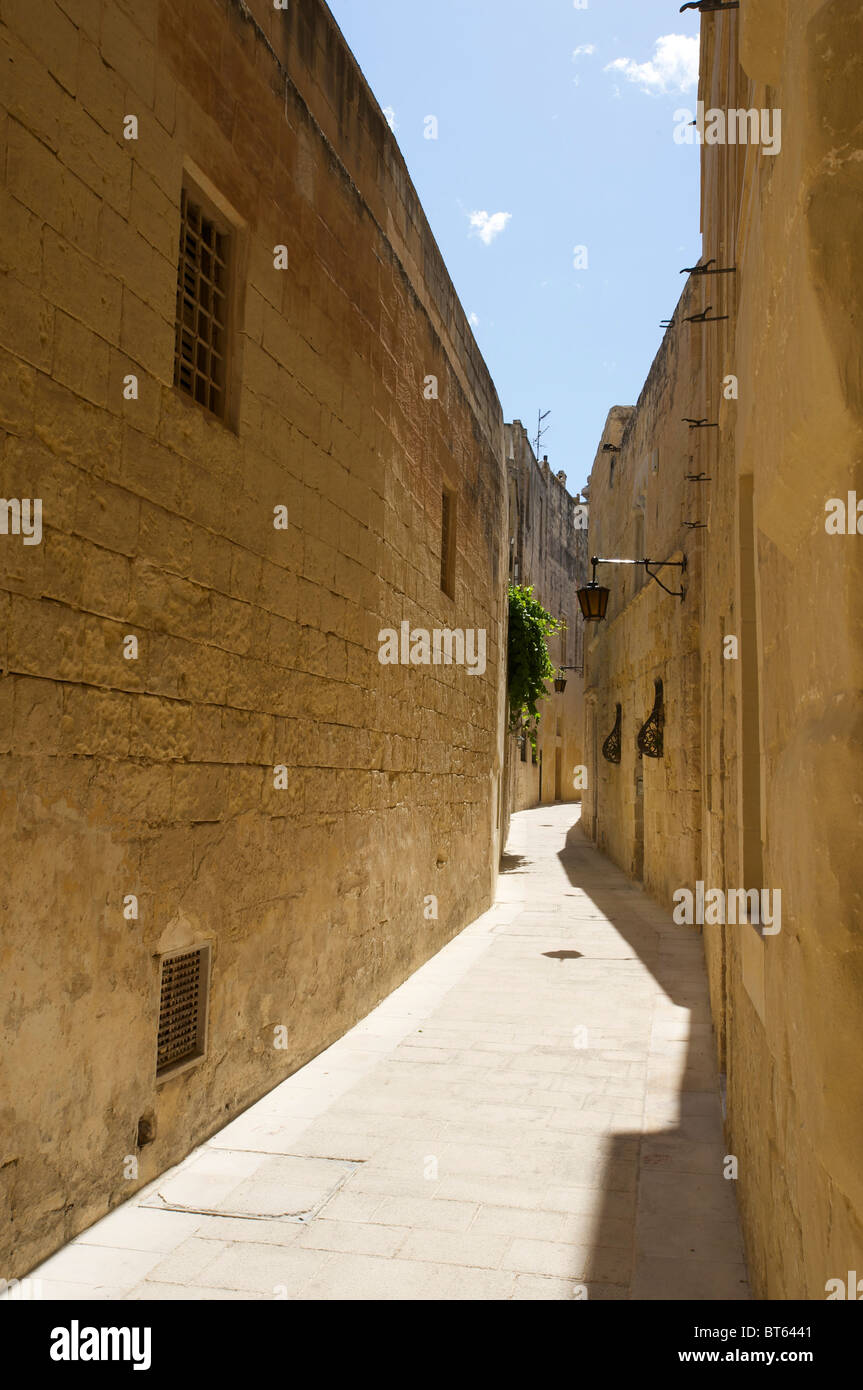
{"x":533,"y":1115}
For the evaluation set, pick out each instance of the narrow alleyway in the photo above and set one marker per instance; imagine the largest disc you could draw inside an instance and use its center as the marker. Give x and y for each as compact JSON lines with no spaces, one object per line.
{"x":535,"y":1110}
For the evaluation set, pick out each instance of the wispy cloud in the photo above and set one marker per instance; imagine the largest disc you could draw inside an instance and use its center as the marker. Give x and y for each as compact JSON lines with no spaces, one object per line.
{"x":584,"y":50}
{"x":673,"y":67}
{"x":391,"y":117}
{"x":488,"y":227}
{"x":473,"y":319}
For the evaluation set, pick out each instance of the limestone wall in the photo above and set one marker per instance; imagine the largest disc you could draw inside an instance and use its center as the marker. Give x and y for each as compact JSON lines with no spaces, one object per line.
{"x":257,"y":647}
{"x":790,"y":712}
{"x":644,"y":811}
{"x":764,"y":727}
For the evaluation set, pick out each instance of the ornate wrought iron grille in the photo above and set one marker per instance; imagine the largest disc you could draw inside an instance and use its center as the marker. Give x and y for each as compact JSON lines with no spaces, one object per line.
{"x":650,"y":736}
{"x":611,"y":747}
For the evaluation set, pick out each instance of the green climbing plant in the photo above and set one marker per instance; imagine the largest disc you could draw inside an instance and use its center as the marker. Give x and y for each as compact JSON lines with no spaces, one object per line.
{"x":529,"y":665}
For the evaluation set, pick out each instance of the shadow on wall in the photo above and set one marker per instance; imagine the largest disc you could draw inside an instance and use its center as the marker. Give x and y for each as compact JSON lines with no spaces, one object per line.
{"x":687,"y":1242}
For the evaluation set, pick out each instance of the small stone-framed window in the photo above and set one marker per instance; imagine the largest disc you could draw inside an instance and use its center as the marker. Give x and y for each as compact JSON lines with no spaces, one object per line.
{"x":202,"y":325}
{"x":447,"y":542}
{"x":184,"y":989}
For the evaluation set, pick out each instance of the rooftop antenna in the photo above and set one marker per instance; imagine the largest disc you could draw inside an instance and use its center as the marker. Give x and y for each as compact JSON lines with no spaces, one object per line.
{"x":540,"y":416}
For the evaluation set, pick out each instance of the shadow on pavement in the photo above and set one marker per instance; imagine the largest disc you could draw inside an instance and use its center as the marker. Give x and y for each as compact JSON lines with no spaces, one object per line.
{"x":686,"y":1238}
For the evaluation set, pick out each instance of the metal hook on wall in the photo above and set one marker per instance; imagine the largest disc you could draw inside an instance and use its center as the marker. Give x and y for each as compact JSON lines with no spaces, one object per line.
{"x":709,"y":6}
{"x":703,"y":268}
{"x":702,"y":317}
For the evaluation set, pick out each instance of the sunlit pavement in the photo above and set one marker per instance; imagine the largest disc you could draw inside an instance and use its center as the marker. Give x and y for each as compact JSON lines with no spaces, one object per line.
{"x":533,"y":1115}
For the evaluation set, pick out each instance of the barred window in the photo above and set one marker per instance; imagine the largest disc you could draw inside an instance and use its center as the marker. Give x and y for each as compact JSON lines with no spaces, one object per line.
{"x":200,"y":348}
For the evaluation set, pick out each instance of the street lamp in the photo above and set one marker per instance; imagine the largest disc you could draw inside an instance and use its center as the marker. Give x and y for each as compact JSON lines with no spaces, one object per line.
{"x":560,"y":678}
{"x":593,"y":598}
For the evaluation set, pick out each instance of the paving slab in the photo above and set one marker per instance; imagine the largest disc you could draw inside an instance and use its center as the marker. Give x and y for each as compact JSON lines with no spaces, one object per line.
{"x":533,"y":1115}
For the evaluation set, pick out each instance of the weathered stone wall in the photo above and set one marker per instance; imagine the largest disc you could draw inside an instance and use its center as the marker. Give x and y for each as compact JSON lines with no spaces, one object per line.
{"x":548,"y":549}
{"x":257,"y":647}
{"x":644,"y":811}
{"x":786,"y":754}
{"x":771,"y":729}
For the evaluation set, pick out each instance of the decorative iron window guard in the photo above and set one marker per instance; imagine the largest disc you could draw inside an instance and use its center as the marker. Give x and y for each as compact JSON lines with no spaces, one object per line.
{"x":611,"y":746}
{"x":650,"y":740}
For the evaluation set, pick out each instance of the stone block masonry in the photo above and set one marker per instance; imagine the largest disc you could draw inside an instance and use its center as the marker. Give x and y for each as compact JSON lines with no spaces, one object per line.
{"x":758,"y":788}
{"x":200,"y":747}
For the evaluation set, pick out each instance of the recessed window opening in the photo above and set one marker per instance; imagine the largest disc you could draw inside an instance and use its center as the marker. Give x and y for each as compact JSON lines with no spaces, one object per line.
{"x":447,"y":542}
{"x":201,"y":328}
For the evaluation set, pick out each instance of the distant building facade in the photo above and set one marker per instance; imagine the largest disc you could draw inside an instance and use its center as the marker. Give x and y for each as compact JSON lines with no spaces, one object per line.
{"x":548,"y":549}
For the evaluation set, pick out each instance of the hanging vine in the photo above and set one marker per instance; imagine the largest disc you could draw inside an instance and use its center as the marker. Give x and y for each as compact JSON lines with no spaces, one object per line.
{"x":529,"y":665}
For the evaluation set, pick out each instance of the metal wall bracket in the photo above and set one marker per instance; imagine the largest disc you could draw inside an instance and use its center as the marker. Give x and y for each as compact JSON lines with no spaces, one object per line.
{"x":703,"y":267}
{"x":710,"y":6}
{"x":702,"y":317}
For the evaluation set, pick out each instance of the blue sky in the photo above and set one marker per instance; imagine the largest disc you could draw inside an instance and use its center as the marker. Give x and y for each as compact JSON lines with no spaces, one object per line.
{"x":578,"y":153}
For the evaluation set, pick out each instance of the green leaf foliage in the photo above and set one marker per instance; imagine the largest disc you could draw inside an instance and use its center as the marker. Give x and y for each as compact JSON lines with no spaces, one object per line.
{"x":529,"y":665}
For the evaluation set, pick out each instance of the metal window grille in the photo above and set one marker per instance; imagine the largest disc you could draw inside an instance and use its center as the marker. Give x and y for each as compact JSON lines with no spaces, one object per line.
{"x":182,"y":1008}
{"x":200,"y":348}
{"x":447,"y":545}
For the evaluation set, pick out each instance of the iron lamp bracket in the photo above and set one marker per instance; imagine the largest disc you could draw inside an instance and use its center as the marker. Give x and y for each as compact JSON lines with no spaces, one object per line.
{"x":657,"y":564}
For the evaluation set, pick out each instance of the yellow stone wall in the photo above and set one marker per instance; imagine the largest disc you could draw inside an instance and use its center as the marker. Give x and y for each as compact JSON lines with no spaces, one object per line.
{"x":772,"y":734}
{"x":643,"y":811}
{"x":257,"y":647}
{"x":548,"y":547}
{"x":790,"y":713}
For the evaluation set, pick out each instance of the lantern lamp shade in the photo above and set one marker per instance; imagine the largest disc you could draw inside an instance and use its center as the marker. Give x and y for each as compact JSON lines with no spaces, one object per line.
{"x":593,"y":600}
{"x":560,"y":684}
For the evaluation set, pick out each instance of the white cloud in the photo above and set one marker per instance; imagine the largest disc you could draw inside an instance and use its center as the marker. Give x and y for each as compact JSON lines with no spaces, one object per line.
{"x":584,"y":50}
{"x":391,"y":117}
{"x":487,"y":228}
{"x":473,"y":320}
{"x":673,"y":67}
